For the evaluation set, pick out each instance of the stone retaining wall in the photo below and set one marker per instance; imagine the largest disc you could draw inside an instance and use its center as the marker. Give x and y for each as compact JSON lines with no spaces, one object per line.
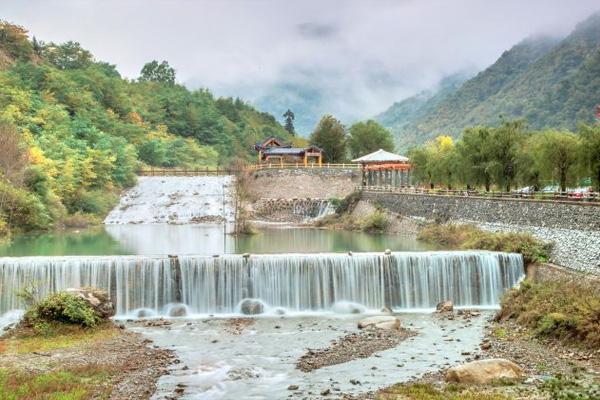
{"x":317,"y":183}
{"x":581,"y":216}
{"x":291,"y":210}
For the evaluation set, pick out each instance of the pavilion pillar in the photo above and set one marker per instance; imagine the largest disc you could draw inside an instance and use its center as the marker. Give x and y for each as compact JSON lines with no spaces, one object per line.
{"x":320,"y":160}
{"x":305,"y":160}
{"x":259,"y":156}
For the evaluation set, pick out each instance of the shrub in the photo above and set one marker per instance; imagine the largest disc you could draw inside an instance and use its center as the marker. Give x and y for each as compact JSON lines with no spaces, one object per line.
{"x":346,"y":205}
{"x":471,"y":237}
{"x":376,"y":221}
{"x":98,"y":202}
{"x":562,"y":309}
{"x":63,"y":307}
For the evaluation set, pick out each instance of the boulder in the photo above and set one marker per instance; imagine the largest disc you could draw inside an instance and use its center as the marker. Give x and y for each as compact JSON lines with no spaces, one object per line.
{"x":483,"y":372}
{"x":97,"y":299}
{"x":178,"y":310}
{"x":252,"y":307}
{"x":380,"y":322}
{"x":445,"y":306}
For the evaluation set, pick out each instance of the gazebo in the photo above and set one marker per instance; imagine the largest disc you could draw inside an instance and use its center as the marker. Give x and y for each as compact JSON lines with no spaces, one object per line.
{"x":382,"y":168}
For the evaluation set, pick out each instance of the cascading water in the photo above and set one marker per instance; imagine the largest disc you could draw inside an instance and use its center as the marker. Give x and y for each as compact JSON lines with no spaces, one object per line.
{"x":313,"y":209}
{"x":296,"y":282}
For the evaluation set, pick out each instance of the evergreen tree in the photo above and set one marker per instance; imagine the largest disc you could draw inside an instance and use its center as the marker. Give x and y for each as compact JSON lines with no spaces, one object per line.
{"x":289,"y":122}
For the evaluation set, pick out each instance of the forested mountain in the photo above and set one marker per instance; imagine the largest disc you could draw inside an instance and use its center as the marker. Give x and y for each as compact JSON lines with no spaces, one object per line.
{"x":75,"y":131}
{"x":547,"y":82}
{"x":402,"y":114}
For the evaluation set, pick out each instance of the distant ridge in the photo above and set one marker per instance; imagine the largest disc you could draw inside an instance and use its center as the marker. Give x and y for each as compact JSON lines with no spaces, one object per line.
{"x":547,"y":81}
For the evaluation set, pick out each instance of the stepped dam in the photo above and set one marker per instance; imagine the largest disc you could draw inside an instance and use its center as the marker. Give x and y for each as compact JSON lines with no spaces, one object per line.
{"x":294,"y":282}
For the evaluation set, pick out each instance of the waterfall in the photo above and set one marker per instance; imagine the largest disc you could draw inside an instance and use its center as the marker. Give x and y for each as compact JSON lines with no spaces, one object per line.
{"x":312,"y":209}
{"x":296,"y":282}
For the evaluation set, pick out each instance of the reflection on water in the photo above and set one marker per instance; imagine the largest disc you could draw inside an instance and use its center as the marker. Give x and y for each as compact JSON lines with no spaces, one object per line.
{"x":200,"y":240}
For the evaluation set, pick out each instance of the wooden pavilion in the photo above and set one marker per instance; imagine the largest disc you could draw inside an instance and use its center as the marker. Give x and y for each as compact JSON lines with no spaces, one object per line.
{"x":274,"y":149}
{"x":382,"y":168}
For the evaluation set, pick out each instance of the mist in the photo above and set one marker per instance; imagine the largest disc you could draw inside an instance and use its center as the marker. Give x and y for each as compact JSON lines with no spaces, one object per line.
{"x":352,"y":59}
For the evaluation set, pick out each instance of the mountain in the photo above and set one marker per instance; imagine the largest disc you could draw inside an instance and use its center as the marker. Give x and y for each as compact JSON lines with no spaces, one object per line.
{"x":547,"y":81}
{"x":401,"y":115}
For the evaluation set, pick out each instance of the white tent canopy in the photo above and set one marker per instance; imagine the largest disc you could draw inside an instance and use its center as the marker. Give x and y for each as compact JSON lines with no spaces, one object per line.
{"x":381,"y":156}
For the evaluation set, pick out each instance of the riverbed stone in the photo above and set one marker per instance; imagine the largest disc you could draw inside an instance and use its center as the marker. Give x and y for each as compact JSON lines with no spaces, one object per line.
{"x":98,"y":299}
{"x":445,"y":306}
{"x":380,"y":322}
{"x":252,"y":307}
{"x":483,"y":372}
{"x":178,"y":310}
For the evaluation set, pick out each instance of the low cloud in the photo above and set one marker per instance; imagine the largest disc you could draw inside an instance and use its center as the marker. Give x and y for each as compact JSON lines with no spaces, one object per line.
{"x":359,"y":56}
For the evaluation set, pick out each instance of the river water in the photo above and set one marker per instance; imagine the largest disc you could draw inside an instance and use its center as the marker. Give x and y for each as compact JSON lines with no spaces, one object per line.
{"x":149,"y":239}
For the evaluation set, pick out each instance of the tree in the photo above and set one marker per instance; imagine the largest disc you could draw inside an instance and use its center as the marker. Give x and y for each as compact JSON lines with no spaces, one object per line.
{"x":330,"y":136}
{"x":476,"y":156}
{"x":289,"y":122}
{"x":69,"y":55}
{"x":367,"y":137}
{"x":155,"y":72}
{"x":14,"y":41}
{"x":14,"y":155}
{"x":590,"y":151}
{"x":558,"y":154}
{"x":504,"y":143}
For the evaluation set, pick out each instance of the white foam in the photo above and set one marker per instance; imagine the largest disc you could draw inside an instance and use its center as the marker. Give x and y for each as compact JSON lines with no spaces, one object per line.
{"x":176,"y":200}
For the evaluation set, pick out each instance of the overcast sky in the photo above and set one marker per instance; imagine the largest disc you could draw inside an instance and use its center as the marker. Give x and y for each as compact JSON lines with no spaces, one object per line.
{"x":362,"y":55}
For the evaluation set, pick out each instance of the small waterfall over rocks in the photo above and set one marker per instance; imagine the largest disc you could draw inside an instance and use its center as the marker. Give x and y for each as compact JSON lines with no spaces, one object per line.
{"x":296,"y":282}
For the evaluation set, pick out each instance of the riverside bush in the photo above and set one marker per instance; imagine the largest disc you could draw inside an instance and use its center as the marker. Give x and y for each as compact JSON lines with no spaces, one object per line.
{"x":471,"y":237}
{"x":375,"y":221}
{"x":562,"y":309}
{"x":62,"y":307}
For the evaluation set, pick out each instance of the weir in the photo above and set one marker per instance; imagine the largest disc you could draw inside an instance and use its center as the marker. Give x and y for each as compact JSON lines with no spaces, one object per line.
{"x":296,"y":282}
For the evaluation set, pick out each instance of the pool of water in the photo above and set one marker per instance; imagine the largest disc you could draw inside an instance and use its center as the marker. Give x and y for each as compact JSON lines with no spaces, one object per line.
{"x":202,"y":239}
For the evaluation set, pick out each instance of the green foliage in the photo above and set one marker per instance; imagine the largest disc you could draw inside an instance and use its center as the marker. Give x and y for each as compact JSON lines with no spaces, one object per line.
{"x":423,"y":391}
{"x":471,"y":237}
{"x":570,"y":388}
{"x":155,"y":72}
{"x":347,"y":204}
{"x":289,"y":122}
{"x":63,"y":307}
{"x":562,"y":309}
{"x":375,"y":221}
{"x":73,"y":132}
{"x":330,"y":136}
{"x":65,"y":384}
{"x":548,"y":82}
{"x":367,"y":137}
{"x":507,"y":157}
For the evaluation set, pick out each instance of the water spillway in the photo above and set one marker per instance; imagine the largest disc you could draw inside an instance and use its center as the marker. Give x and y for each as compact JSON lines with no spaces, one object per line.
{"x":296,"y":282}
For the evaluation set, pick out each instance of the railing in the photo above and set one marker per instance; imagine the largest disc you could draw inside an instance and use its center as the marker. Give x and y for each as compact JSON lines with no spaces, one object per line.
{"x":300,"y":165}
{"x":185,"y":171}
{"x":587,"y":197}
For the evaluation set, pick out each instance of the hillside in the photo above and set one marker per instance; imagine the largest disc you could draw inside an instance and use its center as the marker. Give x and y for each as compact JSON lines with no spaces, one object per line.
{"x":400,"y":116}
{"x":548,"y":82}
{"x":73,"y":131}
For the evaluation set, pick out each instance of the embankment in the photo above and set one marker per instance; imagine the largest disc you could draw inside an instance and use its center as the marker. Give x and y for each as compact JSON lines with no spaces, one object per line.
{"x":573,"y":227}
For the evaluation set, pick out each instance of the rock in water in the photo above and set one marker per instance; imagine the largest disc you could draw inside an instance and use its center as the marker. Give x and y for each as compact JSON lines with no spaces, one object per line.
{"x":252,"y":307}
{"x":445,"y":306}
{"x":380,"y":322}
{"x":483,"y":372}
{"x":178,"y":310}
{"x":97,"y":299}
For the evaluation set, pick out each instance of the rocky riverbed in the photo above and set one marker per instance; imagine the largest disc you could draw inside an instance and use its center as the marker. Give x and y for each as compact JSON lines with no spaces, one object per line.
{"x":232,"y":358}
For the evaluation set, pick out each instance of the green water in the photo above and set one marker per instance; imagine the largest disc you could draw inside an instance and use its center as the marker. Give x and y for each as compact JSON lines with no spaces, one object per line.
{"x":197,"y":239}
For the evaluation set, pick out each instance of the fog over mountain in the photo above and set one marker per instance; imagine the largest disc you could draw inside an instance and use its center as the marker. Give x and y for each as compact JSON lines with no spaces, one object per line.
{"x":353,"y":58}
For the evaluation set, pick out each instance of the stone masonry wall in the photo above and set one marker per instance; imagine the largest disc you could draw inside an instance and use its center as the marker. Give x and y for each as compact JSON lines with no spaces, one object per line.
{"x":317,"y":183}
{"x":581,"y":216}
{"x":574,"y":228}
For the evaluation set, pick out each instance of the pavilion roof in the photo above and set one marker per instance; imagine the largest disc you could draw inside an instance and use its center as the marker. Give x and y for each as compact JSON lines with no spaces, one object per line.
{"x":381,"y":156}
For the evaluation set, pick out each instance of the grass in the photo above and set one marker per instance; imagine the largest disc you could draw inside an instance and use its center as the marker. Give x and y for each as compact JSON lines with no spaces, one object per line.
{"x":53,"y":336}
{"x":567,"y":310}
{"x":70,"y":384}
{"x":421,"y":391}
{"x":375,"y":221}
{"x":471,"y":237}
